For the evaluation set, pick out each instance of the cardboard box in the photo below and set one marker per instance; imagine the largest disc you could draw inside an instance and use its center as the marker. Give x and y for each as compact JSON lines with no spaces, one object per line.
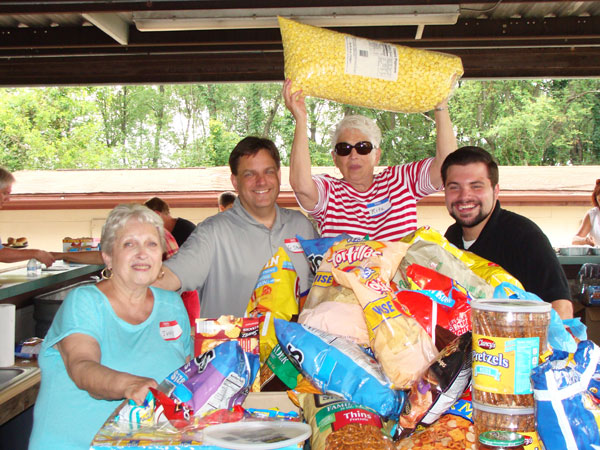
{"x":262,"y":400}
{"x":592,"y":321}
{"x":84,"y":244}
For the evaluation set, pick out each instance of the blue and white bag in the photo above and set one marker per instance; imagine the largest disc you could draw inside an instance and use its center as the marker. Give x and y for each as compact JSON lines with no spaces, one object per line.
{"x":567,"y":399}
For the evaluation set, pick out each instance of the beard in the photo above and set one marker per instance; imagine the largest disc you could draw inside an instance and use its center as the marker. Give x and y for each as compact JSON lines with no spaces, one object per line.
{"x":472,"y":221}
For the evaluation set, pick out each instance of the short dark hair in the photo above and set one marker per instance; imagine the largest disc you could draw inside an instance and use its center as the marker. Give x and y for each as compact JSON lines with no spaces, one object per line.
{"x":6,"y":178}
{"x":595,"y":194}
{"x":469,"y":155}
{"x":251,"y":145}
{"x":157,"y":204}
{"x":227,"y":198}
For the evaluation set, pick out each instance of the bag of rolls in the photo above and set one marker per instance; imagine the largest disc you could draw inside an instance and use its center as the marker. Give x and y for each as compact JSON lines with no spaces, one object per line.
{"x":362,"y":72}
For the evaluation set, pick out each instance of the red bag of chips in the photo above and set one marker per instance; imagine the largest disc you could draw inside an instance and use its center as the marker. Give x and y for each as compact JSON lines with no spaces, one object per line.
{"x":437,"y":300}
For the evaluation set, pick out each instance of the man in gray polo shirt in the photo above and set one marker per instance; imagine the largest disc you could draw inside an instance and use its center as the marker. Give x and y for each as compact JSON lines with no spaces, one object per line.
{"x":223,"y":257}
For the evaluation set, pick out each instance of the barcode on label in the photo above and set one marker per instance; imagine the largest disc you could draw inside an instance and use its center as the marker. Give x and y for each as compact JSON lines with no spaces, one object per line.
{"x":363,"y":53}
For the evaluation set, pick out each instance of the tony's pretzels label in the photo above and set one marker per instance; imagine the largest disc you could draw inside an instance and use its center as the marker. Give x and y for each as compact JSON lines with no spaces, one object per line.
{"x":508,"y":338}
{"x":503,"y":365}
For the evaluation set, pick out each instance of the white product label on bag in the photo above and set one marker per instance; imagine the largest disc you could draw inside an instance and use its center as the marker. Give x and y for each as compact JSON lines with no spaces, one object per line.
{"x":371,"y":59}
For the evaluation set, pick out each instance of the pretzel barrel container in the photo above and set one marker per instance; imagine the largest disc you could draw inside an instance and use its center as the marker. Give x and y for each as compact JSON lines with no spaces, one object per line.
{"x":518,"y":420}
{"x":508,"y":338}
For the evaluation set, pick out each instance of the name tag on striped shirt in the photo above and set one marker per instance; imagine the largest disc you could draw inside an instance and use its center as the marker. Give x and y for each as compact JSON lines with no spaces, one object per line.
{"x":378,"y":208}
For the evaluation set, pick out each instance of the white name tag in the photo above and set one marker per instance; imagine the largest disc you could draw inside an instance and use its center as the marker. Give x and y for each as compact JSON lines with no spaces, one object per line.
{"x":378,"y":208}
{"x":293,"y":245}
{"x":170,"y":331}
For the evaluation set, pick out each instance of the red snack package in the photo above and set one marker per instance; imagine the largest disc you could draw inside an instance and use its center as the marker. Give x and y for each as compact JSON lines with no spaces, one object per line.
{"x":212,"y":332}
{"x":178,"y":414}
{"x":450,"y":302}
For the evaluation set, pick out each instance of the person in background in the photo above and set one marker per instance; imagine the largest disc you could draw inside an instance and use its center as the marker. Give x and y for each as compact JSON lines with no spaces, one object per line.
{"x":112,"y":340}
{"x":383,"y":205}
{"x":180,"y":228}
{"x":510,"y":240}
{"x":226,"y":200}
{"x":589,"y":231}
{"x":11,"y":255}
{"x":225,"y":254}
{"x":94,"y":257}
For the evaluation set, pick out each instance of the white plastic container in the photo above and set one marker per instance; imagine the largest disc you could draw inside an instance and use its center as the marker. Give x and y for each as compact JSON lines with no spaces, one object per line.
{"x":258,"y":435}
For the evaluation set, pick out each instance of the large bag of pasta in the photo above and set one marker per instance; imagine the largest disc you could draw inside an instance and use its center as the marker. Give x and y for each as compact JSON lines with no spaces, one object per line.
{"x":362,"y":72}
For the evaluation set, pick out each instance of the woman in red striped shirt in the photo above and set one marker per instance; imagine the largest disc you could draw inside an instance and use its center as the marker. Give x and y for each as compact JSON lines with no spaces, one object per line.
{"x":383,"y":205}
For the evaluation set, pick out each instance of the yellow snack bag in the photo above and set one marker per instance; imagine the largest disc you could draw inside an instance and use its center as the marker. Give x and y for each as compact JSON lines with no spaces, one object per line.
{"x":347,"y":69}
{"x":488,"y":271}
{"x":275,"y":295}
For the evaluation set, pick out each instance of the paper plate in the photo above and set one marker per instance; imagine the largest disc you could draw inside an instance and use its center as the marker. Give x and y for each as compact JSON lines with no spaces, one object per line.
{"x":256,"y":434}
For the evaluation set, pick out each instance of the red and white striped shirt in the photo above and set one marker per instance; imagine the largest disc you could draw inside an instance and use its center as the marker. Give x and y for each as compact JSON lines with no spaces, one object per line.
{"x":386,"y":211}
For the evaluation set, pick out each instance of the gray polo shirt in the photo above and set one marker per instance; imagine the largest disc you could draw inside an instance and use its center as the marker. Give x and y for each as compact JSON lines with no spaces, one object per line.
{"x":224,"y":255}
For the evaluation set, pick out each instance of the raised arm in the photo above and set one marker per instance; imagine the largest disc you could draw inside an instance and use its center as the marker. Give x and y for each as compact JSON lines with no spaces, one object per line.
{"x":300,"y":167}
{"x":582,"y":236}
{"x":445,"y":142}
{"x":81,"y":355}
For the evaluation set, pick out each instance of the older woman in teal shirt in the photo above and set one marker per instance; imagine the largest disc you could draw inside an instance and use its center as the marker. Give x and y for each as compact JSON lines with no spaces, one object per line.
{"x":110,"y":341}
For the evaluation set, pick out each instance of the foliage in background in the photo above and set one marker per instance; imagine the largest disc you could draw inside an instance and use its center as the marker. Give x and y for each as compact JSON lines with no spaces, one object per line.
{"x":534,"y":122}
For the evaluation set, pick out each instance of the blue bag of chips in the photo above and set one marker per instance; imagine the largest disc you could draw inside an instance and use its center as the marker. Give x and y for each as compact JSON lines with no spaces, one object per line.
{"x":338,"y":366}
{"x":315,"y":249}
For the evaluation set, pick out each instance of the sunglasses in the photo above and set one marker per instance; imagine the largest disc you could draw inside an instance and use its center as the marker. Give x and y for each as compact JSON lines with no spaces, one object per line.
{"x":362,"y":148}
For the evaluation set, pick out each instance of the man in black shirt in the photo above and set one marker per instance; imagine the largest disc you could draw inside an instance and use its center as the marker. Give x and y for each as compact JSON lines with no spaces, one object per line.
{"x":514,"y":242}
{"x":178,"y":227}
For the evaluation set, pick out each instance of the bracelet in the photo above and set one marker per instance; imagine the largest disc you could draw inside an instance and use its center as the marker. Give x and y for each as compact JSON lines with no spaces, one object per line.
{"x":440,"y":109}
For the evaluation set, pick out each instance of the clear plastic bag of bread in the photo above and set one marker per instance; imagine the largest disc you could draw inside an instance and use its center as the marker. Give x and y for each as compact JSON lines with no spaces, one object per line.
{"x":356,"y":71}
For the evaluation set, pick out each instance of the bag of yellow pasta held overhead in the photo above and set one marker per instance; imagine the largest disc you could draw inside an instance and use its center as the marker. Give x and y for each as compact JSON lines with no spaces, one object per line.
{"x":362,"y":72}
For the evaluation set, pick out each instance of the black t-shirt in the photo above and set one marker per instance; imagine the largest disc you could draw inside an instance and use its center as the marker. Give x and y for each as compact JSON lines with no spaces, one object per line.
{"x":182,"y":230}
{"x":521,"y":248}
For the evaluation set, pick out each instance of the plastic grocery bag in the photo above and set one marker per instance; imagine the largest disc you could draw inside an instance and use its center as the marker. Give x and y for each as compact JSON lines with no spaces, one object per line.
{"x":565,"y":389}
